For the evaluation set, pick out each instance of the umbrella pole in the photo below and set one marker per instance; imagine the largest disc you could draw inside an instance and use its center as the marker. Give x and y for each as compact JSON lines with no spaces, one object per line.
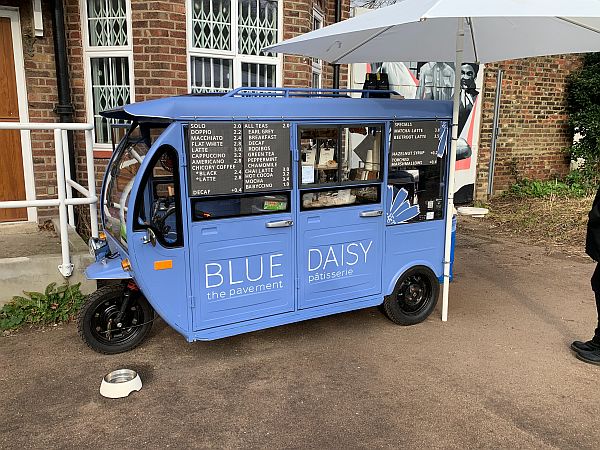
{"x":460,"y":34}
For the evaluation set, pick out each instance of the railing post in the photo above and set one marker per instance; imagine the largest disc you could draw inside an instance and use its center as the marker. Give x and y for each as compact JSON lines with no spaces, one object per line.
{"x":66,"y":268}
{"x":91,"y":179}
{"x":67,"y":166}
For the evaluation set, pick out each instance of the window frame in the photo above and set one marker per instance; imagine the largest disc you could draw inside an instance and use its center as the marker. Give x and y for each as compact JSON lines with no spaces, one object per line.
{"x":194,"y":200}
{"x":106,"y":193}
{"x":378,"y":186}
{"x":341,"y":184}
{"x":233,"y":55}
{"x":316,"y":63}
{"x":103,"y":150}
{"x":136,"y":225}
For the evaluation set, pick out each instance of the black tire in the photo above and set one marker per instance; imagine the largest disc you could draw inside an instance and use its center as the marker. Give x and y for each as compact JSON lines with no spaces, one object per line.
{"x":100,"y":309}
{"x":414,"y":297}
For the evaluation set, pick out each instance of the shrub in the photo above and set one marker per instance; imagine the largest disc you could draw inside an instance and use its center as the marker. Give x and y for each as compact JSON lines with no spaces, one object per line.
{"x":583,"y":107}
{"x":56,"y":304}
{"x":575,"y":185}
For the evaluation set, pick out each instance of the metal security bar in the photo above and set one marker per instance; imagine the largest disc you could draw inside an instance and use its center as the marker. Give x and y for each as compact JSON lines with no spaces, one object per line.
{"x":65,"y":184}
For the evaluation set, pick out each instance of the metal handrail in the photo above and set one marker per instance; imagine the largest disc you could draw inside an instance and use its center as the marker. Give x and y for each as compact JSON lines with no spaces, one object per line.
{"x":65,"y":184}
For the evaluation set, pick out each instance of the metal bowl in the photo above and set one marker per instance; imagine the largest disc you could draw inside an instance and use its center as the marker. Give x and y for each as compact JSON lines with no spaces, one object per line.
{"x":120,"y":383}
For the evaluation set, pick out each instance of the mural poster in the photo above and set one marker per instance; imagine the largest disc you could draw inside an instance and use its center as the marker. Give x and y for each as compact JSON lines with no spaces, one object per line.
{"x":434,"y":80}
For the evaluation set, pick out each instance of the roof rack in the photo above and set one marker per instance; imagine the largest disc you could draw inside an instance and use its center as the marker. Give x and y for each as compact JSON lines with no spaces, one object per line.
{"x":304,"y":92}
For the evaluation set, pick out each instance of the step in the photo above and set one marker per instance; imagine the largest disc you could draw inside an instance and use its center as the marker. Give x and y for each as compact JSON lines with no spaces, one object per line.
{"x":29,"y":260}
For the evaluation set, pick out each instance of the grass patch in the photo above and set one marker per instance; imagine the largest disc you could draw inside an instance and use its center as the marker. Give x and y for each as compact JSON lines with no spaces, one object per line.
{"x":555,"y":221}
{"x":55,"y":305}
{"x":571,"y":187}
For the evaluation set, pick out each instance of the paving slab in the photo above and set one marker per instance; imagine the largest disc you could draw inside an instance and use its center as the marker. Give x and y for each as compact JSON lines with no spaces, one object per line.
{"x":498,"y":374}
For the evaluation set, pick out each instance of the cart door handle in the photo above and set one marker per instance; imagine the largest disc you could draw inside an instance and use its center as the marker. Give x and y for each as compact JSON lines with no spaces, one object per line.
{"x":374,"y":213}
{"x":280,"y":224}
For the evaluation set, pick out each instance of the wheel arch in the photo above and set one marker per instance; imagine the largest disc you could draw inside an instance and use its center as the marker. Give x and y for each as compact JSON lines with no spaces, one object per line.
{"x":389,"y":288}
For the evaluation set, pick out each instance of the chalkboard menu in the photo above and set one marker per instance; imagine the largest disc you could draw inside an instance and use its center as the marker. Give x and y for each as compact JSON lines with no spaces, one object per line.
{"x":215,"y":164}
{"x":235,"y":157}
{"x":266,"y":156}
{"x":414,"y":143}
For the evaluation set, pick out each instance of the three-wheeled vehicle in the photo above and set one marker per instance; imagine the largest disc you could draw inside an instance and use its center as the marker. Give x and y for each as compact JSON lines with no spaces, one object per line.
{"x":261,"y":207}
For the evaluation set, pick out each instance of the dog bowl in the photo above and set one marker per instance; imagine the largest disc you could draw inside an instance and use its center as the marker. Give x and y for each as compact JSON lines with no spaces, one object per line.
{"x":120,"y":383}
{"x":473,"y":212}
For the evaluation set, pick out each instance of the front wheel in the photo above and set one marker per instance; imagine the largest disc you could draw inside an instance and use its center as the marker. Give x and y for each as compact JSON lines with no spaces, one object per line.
{"x":106,"y":326}
{"x":414,"y":297}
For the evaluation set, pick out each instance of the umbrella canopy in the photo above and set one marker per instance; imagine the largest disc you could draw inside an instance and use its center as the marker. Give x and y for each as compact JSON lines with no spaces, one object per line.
{"x":424,"y":30}
{"x":460,"y":30}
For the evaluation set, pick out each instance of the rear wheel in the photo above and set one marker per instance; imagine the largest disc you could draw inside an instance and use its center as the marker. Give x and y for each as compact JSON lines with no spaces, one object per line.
{"x":102,"y":329}
{"x":414,"y":297}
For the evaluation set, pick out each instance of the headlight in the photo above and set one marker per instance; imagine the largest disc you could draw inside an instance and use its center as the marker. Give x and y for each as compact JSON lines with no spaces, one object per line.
{"x":96,"y":246}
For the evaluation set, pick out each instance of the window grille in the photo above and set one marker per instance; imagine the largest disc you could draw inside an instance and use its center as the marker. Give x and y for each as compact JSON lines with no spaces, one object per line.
{"x":107,"y":23}
{"x":257,"y":25}
{"x":110,"y":89}
{"x":108,"y":61}
{"x":211,"y":74}
{"x":211,"y":24}
{"x":225,"y":43}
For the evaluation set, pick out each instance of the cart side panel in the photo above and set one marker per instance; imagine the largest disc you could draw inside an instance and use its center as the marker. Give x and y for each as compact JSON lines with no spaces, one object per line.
{"x":409,"y":245}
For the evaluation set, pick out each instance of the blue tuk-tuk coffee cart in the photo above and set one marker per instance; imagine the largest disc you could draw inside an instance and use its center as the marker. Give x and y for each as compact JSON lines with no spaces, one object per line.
{"x":233,"y":213}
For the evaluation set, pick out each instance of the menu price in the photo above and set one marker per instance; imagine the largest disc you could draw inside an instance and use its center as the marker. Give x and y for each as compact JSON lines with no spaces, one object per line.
{"x":266,"y":156}
{"x":216,"y":164}
{"x":230,"y":158}
{"x":415,"y":143}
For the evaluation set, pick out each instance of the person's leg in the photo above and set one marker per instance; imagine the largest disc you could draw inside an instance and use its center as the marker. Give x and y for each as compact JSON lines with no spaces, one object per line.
{"x":594,"y":343}
{"x":596,"y":289}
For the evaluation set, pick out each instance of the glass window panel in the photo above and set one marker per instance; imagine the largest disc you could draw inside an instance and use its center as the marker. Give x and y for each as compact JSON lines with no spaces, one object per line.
{"x":328,"y":198}
{"x":159,"y":197}
{"x":211,"y":74}
{"x":110,"y":89}
{"x":240,"y":205}
{"x":259,"y":75}
{"x":316,"y":80}
{"x":118,"y":187}
{"x":317,"y":24}
{"x":107,"y":23}
{"x":361,"y":153}
{"x":211,"y":24}
{"x":424,"y":186}
{"x":340,"y":154}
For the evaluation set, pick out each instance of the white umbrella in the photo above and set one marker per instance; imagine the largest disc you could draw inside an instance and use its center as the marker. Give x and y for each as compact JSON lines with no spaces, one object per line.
{"x":464,"y":30}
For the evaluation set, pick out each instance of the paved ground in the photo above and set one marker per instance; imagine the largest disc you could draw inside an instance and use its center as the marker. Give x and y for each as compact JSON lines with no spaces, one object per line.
{"x":498,"y":374}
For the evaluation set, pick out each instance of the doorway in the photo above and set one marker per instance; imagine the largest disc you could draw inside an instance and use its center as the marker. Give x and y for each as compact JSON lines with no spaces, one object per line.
{"x":15,"y":156}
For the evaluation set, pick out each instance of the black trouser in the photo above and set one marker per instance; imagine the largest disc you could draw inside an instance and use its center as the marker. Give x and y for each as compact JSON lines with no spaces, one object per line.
{"x":596,"y":289}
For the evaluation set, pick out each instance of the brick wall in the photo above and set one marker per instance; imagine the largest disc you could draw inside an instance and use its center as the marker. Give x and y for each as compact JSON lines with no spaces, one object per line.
{"x":533,"y":122}
{"x":40,"y":76}
{"x":159,"y":48}
{"x":297,"y":18}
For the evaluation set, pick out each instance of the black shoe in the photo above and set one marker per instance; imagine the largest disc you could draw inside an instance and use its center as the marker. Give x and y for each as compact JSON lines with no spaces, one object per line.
{"x":588,"y":346}
{"x":592,"y":357}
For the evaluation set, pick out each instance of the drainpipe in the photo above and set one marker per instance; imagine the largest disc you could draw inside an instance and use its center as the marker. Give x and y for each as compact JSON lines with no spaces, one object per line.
{"x":64,"y":107}
{"x":336,"y":67}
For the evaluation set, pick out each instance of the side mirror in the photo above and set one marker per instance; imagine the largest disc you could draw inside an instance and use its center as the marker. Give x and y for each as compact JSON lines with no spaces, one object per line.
{"x":150,"y":237}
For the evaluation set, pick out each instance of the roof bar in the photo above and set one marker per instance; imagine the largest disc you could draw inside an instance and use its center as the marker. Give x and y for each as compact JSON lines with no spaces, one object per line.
{"x":301,"y":92}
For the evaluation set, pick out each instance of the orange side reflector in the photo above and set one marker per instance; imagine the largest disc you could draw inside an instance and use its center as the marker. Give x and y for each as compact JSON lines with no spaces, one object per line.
{"x":162,"y":265}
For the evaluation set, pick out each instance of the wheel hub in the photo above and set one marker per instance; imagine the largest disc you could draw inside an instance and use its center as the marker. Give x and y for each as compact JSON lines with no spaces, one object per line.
{"x":105,"y":325}
{"x":413,"y":296}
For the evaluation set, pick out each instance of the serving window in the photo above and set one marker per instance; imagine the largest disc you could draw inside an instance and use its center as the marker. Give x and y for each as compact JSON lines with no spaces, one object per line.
{"x":416,"y":174}
{"x":335,"y":156}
